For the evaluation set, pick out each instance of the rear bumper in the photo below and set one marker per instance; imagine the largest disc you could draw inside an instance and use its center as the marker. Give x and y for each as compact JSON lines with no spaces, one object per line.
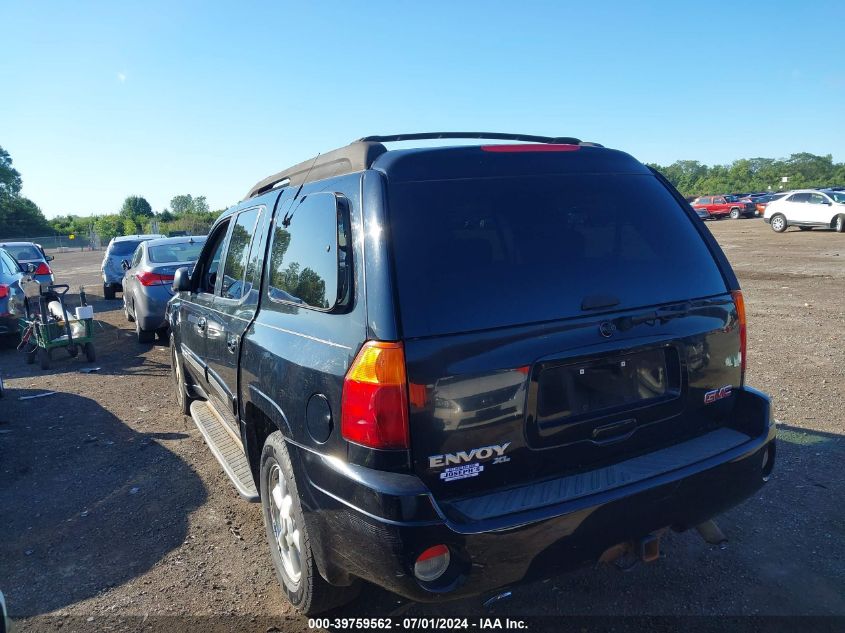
{"x":373,"y":524}
{"x":151,"y":306}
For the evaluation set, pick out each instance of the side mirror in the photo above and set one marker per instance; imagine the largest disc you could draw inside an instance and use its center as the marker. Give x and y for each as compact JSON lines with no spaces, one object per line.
{"x":124,"y":264}
{"x":50,"y":258}
{"x":182,"y":280}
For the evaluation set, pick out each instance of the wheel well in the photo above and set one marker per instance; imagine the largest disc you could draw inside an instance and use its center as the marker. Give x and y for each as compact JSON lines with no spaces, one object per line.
{"x":258,"y":428}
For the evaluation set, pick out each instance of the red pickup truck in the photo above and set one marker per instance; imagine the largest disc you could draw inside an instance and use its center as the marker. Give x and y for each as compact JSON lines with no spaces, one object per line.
{"x":720,"y":206}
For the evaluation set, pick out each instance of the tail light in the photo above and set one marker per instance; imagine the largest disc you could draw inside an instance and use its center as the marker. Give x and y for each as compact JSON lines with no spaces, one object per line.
{"x":154,"y":279}
{"x":739,"y":302}
{"x":374,"y":406}
{"x":4,"y":291}
{"x":43,"y":269}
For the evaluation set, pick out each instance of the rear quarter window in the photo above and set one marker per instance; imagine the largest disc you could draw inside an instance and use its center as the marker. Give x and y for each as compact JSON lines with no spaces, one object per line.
{"x":485,"y":253}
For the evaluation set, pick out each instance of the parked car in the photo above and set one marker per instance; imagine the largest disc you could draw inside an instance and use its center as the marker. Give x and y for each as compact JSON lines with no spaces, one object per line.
{"x":807,"y":209}
{"x":30,"y":253}
{"x":147,"y":282}
{"x":719,"y":207}
{"x":11,"y":295}
{"x":119,"y":248}
{"x":431,"y":392}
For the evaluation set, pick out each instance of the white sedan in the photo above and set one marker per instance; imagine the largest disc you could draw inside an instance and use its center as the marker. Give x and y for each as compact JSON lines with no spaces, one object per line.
{"x":807,"y":208}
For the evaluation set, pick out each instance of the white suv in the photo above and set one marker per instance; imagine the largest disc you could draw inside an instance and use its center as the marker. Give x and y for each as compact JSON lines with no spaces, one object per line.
{"x":807,"y":208}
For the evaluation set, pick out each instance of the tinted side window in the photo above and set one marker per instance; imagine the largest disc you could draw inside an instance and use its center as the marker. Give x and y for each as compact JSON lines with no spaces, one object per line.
{"x":704,"y":201}
{"x":209,"y":264}
{"x":4,"y":266}
{"x":799,"y":197}
{"x":718,"y":201}
{"x":237,"y":254}
{"x":817,"y":198}
{"x":136,"y":258}
{"x":307,"y":256}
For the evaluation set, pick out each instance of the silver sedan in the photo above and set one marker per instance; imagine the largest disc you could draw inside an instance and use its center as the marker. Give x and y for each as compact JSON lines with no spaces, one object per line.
{"x":148,"y":279}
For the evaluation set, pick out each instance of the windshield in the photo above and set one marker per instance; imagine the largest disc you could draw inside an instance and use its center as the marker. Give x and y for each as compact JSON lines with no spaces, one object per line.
{"x":177,"y":252}
{"x":483,"y":253}
{"x":838,"y":196}
{"x":125,"y":247}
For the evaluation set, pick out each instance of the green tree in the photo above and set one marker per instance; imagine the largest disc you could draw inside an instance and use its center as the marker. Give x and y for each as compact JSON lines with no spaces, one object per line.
{"x":107,"y":227}
{"x":129,"y":226}
{"x":136,"y":206}
{"x":182,"y":204}
{"x":10,"y":178}
{"x":200,"y":205}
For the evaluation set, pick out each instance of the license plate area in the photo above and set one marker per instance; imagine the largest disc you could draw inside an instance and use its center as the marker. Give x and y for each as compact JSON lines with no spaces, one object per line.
{"x":602,"y":399}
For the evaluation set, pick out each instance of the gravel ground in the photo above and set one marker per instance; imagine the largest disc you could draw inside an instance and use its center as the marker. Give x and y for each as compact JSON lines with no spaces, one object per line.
{"x":115,"y":512}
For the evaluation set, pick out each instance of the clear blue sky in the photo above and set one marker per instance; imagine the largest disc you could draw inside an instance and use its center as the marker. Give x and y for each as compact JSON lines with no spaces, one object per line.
{"x":158,"y":98}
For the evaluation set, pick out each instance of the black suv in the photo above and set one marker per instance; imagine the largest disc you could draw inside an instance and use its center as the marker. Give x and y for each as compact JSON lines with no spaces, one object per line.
{"x":448,"y":369}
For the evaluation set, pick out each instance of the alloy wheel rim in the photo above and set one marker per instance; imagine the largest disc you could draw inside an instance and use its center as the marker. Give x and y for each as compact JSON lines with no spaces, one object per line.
{"x":286,"y":533}
{"x":777,"y":223}
{"x":177,"y":377}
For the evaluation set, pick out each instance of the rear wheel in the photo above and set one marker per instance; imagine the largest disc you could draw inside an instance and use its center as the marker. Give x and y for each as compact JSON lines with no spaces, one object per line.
{"x":126,"y":311}
{"x":839,"y":223}
{"x":778,"y":223}
{"x":144,"y":336}
{"x":735,"y":214}
{"x":44,"y":358}
{"x":108,"y":292}
{"x":183,"y":401}
{"x":287,"y":533}
{"x":90,"y":354}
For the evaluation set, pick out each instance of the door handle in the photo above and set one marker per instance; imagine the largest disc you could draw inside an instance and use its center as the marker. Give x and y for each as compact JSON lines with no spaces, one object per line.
{"x":232,"y":343}
{"x":201,"y":324}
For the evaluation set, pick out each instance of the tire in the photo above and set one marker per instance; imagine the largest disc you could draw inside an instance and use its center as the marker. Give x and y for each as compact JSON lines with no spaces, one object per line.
{"x":183,"y":400}
{"x":144,"y":336}
{"x":162,"y":333}
{"x":29,"y":355}
{"x":804,"y":228}
{"x":126,"y":312}
{"x":295,"y":567}
{"x":90,"y":353}
{"x":839,"y":223}
{"x":44,"y":358}
{"x":735,"y":214}
{"x":778,"y":223}
{"x":108,"y":292}
{"x":72,"y":351}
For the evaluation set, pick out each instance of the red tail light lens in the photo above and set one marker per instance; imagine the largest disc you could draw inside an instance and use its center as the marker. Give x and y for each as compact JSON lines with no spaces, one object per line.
{"x":374,"y":406}
{"x":154,"y":279}
{"x":43,"y":269}
{"x":4,"y":291}
{"x":541,"y":147}
{"x":739,"y":302}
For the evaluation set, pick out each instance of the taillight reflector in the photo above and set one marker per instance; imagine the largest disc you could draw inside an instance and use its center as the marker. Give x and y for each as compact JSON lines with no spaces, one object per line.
{"x":739,"y":302}
{"x":153,"y":279}
{"x":4,"y":291}
{"x":374,"y":406}
{"x":540,"y":147}
{"x":43,"y":269}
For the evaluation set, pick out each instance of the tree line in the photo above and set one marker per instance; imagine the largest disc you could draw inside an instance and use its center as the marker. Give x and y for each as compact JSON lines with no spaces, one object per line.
{"x":803,"y":170}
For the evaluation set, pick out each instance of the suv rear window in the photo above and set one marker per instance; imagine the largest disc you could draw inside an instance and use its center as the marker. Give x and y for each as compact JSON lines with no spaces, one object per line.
{"x":23,"y":252}
{"x":124,"y":248}
{"x":482,"y":253}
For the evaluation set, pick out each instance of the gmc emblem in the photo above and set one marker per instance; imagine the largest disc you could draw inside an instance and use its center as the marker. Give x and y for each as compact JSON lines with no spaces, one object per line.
{"x":717,"y":394}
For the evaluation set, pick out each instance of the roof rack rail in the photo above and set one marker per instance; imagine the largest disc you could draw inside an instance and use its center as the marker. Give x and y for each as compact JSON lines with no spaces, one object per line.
{"x":361,"y":154}
{"x":499,"y":136}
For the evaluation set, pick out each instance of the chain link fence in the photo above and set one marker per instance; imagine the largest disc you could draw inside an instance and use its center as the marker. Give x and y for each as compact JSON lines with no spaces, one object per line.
{"x":61,"y":243}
